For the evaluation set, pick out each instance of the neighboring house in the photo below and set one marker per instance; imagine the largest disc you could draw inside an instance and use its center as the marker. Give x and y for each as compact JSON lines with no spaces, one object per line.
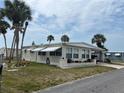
{"x":2,"y":51}
{"x":62,"y":54}
{"x":115,"y":56}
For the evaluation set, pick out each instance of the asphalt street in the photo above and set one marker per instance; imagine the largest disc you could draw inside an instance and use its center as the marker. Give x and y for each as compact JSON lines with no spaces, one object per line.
{"x":111,"y":82}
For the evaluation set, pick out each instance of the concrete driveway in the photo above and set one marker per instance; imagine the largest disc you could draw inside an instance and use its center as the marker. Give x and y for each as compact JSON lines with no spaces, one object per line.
{"x":111,"y":82}
{"x":112,"y":65}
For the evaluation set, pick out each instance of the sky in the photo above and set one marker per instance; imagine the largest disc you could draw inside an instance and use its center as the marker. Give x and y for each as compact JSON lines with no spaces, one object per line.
{"x":79,"y":19}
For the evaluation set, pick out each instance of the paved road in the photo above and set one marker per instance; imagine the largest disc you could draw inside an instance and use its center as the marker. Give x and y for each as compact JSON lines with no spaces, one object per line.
{"x":111,"y":82}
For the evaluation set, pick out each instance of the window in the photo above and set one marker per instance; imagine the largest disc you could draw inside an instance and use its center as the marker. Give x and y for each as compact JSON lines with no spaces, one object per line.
{"x":52,"y":53}
{"x":83,"y":53}
{"x":42,"y":53}
{"x":87,"y":55}
{"x":39,"y":53}
{"x":68,"y":53}
{"x":58,"y":53}
{"x":69,"y":50}
{"x":76,"y":53}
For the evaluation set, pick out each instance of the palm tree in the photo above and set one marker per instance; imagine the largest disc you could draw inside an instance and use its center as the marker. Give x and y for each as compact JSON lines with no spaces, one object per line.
{"x":2,"y":15}
{"x":33,"y":43}
{"x":65,"y":38}
{"x":18,"y":13}
{"x":99,"y":39}
{"x":3,"y":30}
{"x":50,"y":38}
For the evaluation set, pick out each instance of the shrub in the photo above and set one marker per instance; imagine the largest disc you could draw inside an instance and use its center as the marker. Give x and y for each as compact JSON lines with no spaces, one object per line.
{"x":69,"y":61}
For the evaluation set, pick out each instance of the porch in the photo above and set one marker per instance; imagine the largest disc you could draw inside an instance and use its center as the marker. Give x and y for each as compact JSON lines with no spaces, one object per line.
{"x":64,"y":64}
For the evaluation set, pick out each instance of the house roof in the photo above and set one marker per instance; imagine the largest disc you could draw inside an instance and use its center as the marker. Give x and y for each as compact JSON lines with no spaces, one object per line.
{"x":73,"y":44}
{"x":85,"y":45}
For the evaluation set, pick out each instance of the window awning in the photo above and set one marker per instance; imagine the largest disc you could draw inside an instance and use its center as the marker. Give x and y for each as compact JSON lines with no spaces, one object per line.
{"x":50,"y":49}
{"x":37,"y":49}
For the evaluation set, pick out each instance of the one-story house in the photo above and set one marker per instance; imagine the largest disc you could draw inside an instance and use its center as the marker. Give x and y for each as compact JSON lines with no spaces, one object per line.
{"x":63,"y":54}
{"x":3,"y":51}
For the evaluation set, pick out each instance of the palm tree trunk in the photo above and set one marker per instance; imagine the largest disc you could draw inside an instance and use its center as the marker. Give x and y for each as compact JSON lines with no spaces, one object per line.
{"x":5,"y":45}
{"x":11,"y":51}
{"x":23,"y":35}
{"x":49,"y":42}
{"x":99,"y":44}
{"x":17,"y":46}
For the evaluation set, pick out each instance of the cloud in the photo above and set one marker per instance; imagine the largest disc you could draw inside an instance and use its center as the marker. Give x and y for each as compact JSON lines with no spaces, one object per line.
{"x":80,"y":15}
{"x":77,"y":18}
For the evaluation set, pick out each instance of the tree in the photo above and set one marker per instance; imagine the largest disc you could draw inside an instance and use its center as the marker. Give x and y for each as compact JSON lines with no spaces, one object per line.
{"x":50,"y":38}
{"x":23,"y":35}
{"x":18,"y":13}
{"x":33,"y":43}
{"x":3,"y":30}
{"x":99,"y":39}
{"x":65,"y":38}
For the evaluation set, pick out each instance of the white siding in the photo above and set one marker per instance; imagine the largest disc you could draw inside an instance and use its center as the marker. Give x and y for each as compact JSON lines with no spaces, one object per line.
{"x":76,"y":50}
{"x":34,"y":57}
{"x":57,"y":60}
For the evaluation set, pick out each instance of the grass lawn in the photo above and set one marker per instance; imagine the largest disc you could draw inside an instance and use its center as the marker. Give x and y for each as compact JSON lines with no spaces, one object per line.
{"x":39,"y":76}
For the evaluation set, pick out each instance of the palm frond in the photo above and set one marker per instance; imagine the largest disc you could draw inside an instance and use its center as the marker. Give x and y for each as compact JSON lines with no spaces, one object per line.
{"x":4,"y":26}
{"x":65,"y":38}
{"x":50,"y":38}
{"x":17,"y":12}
